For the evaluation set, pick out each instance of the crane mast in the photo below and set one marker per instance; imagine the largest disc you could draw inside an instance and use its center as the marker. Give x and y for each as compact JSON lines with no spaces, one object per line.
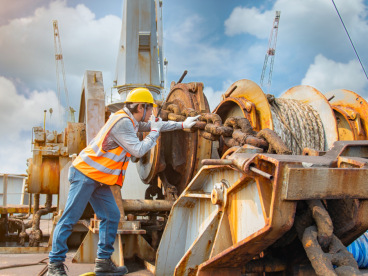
{"x":60,"y":62}
{"x":271,"y":51}
{"x":140,"y":60}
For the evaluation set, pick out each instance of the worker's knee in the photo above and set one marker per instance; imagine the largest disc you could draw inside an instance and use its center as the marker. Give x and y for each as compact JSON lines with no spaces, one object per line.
{"x":114,"y":215}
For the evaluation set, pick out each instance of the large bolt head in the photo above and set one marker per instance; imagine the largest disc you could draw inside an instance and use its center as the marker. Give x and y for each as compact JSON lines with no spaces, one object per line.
{"x":217,"y":194}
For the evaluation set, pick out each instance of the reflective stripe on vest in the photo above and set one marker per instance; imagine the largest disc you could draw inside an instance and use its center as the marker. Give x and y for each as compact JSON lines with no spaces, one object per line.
{"x":107,"y":167}
{"x":97,"y":165}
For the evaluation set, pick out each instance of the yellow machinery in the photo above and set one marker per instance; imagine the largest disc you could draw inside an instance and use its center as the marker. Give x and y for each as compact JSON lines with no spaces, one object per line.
{"x":283,"y":182}
{"x":255,"y":201}
{"x":260,"y":185}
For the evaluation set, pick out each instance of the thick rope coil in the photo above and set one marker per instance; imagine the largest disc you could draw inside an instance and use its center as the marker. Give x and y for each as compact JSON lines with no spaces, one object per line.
{"x":298,"y":124}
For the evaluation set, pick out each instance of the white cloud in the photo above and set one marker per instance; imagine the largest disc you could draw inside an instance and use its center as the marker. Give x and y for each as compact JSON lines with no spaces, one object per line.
{"x":12,"y":9}
{"x":214,"y":97}
{"x":305,"y":24}
{"x":191,"y":49}
{"x":27,"y":47}
{"x":252,"y":21}
{"x":307,"y":28}
{"x":327,"y":75}
{"x":28,"y":72}
{"x":18,"y":114}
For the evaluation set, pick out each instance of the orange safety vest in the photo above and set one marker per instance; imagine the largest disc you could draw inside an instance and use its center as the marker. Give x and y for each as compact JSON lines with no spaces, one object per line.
{"x":106,"y":167}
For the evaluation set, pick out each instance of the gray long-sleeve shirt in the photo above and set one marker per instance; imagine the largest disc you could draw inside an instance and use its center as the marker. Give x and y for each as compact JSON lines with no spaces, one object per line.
{"x":124,"y":134}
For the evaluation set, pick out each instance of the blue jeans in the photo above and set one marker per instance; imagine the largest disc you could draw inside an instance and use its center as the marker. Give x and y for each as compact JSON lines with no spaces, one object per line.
{"x":82,"y":190}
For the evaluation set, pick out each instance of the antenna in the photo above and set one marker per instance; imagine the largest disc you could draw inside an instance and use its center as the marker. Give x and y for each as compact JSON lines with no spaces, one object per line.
{"x":271,"y":51}
{"x":59,"y":59}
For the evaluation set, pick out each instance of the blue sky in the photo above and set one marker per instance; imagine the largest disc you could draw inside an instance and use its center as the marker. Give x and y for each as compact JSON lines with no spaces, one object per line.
{"x":218,"y":42}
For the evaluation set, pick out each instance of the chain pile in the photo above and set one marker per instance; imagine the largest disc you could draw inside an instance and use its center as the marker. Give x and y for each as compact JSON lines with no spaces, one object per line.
{"x":327,"y":254}
{"x":236,"y":131}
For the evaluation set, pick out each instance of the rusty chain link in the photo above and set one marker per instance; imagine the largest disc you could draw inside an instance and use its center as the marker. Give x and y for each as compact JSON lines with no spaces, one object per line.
{"x":236,"y":131}
{"x":325,"y":251}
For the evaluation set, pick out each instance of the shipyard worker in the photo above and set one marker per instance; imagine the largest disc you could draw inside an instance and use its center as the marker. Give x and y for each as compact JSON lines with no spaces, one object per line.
{"x":101,"y":165}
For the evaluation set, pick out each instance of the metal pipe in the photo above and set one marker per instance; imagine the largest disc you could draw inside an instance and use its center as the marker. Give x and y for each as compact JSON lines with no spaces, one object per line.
{"x":36,"y":233}
{"x":22,"y":233}
{"x":231,"y":162}
{"x":331,"y":98}
{"x":135,"y":205}
{"x":217,"y":162}
{"x":262,"y":173}
{"x":36,"y":205}
{"x":44,"y":211}
{"x":182,"y":76}
{"x":231,"y":91}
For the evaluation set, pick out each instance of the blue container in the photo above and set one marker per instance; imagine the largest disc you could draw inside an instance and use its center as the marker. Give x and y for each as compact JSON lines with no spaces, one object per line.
{"x":359,"y":249}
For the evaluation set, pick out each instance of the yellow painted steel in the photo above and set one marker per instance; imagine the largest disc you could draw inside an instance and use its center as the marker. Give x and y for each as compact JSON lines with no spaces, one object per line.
{"x":352,"y":113}
{"x":247,"y":90}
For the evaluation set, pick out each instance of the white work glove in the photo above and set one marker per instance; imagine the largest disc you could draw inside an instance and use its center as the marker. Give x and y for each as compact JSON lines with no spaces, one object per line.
{"x":156,"y":125}
{"x":190,"y":121}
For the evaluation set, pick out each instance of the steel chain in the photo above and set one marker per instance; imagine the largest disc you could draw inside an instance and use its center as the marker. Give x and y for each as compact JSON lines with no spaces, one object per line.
{"x":236,"y":131}
{"x":325,"y":251}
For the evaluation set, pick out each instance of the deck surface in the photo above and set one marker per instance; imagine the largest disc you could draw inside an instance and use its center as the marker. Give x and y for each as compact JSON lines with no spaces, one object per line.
{"x":73,"y":268}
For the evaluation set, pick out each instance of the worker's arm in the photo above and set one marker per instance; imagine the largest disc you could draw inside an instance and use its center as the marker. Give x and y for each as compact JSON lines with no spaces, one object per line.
{"x":124,"y":135}
{"x":170,"y":125}
{"x":167,"y":126}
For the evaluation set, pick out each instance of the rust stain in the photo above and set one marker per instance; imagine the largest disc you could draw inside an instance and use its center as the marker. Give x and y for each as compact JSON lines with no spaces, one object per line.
{"x":81,"y":248}
{"x":208,"y":246}
{"x":188,"y":204}
{"x":193,"y":271}
{"x":309,"y":243}
{"x":180,"y":270}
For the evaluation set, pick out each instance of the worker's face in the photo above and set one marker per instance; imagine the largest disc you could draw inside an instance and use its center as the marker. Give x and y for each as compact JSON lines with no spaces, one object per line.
{"x":149,"y":110}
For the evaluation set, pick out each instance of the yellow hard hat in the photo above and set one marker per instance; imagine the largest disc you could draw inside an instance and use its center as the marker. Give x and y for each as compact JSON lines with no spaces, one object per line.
{"x":140,"y":95}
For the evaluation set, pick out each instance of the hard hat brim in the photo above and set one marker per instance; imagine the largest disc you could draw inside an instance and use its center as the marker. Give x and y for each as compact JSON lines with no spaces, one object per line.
{"x":153,"y":104}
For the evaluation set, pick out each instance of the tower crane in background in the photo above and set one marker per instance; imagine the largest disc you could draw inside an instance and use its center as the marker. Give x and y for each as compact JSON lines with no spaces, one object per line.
{"x":59,"y":59}
{"x":271,"y":51}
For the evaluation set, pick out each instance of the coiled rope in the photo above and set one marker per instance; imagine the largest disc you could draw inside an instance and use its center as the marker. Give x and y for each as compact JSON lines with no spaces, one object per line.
{"x":298,"y":124}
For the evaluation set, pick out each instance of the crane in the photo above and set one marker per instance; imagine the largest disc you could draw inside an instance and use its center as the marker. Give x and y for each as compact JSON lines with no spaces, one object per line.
{"x":271,"y":51}
{"x":59,"y":59}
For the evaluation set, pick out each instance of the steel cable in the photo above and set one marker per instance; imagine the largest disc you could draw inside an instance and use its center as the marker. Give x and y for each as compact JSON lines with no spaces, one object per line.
{"x":351,"y":41}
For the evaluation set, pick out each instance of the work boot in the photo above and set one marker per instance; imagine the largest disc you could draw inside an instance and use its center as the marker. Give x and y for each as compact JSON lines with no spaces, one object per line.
{"x":56,"y":269}
{"x":106,"y":267}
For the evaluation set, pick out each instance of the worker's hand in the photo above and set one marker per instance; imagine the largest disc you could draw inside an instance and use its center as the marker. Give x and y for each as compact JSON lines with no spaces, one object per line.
{"x":156,"y":123}
{"x":190,"y":121}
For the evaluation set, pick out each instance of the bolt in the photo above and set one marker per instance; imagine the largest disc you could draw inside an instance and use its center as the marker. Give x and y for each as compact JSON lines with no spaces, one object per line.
{"x":217,"y":194}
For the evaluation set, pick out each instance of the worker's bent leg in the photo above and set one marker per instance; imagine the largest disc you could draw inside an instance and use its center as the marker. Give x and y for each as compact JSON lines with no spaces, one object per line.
{"x":81,"y":189}
{"x":103,"y":203}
